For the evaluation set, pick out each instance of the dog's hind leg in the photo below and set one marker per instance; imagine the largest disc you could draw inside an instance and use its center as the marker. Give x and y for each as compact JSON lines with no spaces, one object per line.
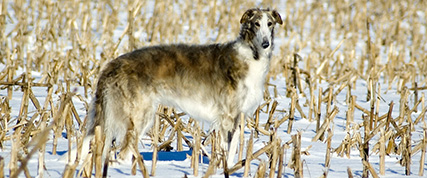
{"x":141,"y":119}
{"x":130,"y":140}
{"x":116,"y":123}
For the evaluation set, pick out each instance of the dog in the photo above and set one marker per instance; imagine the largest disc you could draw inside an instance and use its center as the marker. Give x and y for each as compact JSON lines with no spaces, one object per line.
{"x":213,"y":82}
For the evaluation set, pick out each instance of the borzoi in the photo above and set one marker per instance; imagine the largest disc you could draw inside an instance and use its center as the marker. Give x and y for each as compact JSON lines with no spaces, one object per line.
{"x":214,"y":82}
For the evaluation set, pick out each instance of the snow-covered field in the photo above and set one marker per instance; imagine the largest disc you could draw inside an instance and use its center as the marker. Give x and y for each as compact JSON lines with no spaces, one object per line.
{"x":67,"y":42}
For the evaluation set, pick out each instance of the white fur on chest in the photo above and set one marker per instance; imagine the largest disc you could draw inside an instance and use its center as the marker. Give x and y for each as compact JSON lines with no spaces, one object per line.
{"x":252,"y":88}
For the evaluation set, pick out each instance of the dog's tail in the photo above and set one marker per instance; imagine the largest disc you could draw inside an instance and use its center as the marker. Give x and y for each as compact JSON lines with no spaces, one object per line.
{"x":95,"y":117}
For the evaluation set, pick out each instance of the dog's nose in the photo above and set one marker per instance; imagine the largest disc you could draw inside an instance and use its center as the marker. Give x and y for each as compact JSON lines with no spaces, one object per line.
{"x":265,"y":44}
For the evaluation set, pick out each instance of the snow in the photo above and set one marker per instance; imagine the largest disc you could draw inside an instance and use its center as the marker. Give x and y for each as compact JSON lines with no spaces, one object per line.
{"x":177,"y":164}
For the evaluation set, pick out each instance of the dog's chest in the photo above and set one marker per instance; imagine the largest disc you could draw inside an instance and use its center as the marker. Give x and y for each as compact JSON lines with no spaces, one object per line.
{"x":252,"y":88}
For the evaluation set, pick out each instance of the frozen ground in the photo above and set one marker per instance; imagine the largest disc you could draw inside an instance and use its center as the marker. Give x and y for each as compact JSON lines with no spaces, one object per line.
{"x":177,"y":164}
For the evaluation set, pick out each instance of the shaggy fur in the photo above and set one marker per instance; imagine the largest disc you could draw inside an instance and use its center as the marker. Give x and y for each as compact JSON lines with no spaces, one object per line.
{"x":214,"y":82}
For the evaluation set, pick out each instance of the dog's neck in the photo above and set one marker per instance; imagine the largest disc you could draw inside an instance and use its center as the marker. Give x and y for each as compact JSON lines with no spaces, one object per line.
{"x":248,"y":48}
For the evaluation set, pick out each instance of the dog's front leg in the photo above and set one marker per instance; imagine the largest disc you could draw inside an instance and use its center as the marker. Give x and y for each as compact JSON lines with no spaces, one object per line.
{"x":230,"y":137}
{"x":232,"y":147}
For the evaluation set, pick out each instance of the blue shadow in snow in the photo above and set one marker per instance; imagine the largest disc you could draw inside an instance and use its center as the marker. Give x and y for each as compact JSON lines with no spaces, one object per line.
{"x":60,"y":153}
{"x":172,"y":156}
{"x":161,"y":156}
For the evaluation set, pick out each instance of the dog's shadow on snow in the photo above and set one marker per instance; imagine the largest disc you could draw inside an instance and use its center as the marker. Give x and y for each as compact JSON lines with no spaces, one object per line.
{"x":59,"y":153}
{"x":161,"y":156}
{"x":172,"y":156}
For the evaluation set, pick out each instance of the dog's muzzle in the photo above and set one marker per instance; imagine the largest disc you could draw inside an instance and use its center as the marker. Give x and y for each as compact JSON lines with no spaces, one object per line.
{"x":265,"y":44}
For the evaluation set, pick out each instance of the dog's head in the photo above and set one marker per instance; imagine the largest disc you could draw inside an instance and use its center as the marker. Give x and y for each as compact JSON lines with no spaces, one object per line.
{"x":258,"y":26}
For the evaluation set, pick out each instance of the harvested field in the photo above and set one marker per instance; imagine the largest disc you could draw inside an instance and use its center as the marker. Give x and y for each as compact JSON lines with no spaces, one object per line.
{"x":345,"y":96}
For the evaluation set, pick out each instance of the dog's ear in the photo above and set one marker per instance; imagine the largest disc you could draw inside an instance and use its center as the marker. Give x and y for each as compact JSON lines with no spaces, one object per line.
{"x":247,"y":15}
{"x":277,"y":17}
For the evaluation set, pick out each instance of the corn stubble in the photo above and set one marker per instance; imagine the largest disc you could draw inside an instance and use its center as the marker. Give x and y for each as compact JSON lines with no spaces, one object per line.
{"x":68,"y":42}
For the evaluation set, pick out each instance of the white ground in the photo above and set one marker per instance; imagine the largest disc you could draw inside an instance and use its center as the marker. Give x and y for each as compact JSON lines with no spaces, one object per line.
{"x":176,"y":164}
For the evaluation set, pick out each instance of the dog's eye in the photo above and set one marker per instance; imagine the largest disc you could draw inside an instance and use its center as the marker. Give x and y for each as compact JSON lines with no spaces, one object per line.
{"x":257,"y":24}
{"x":269,"y":24}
